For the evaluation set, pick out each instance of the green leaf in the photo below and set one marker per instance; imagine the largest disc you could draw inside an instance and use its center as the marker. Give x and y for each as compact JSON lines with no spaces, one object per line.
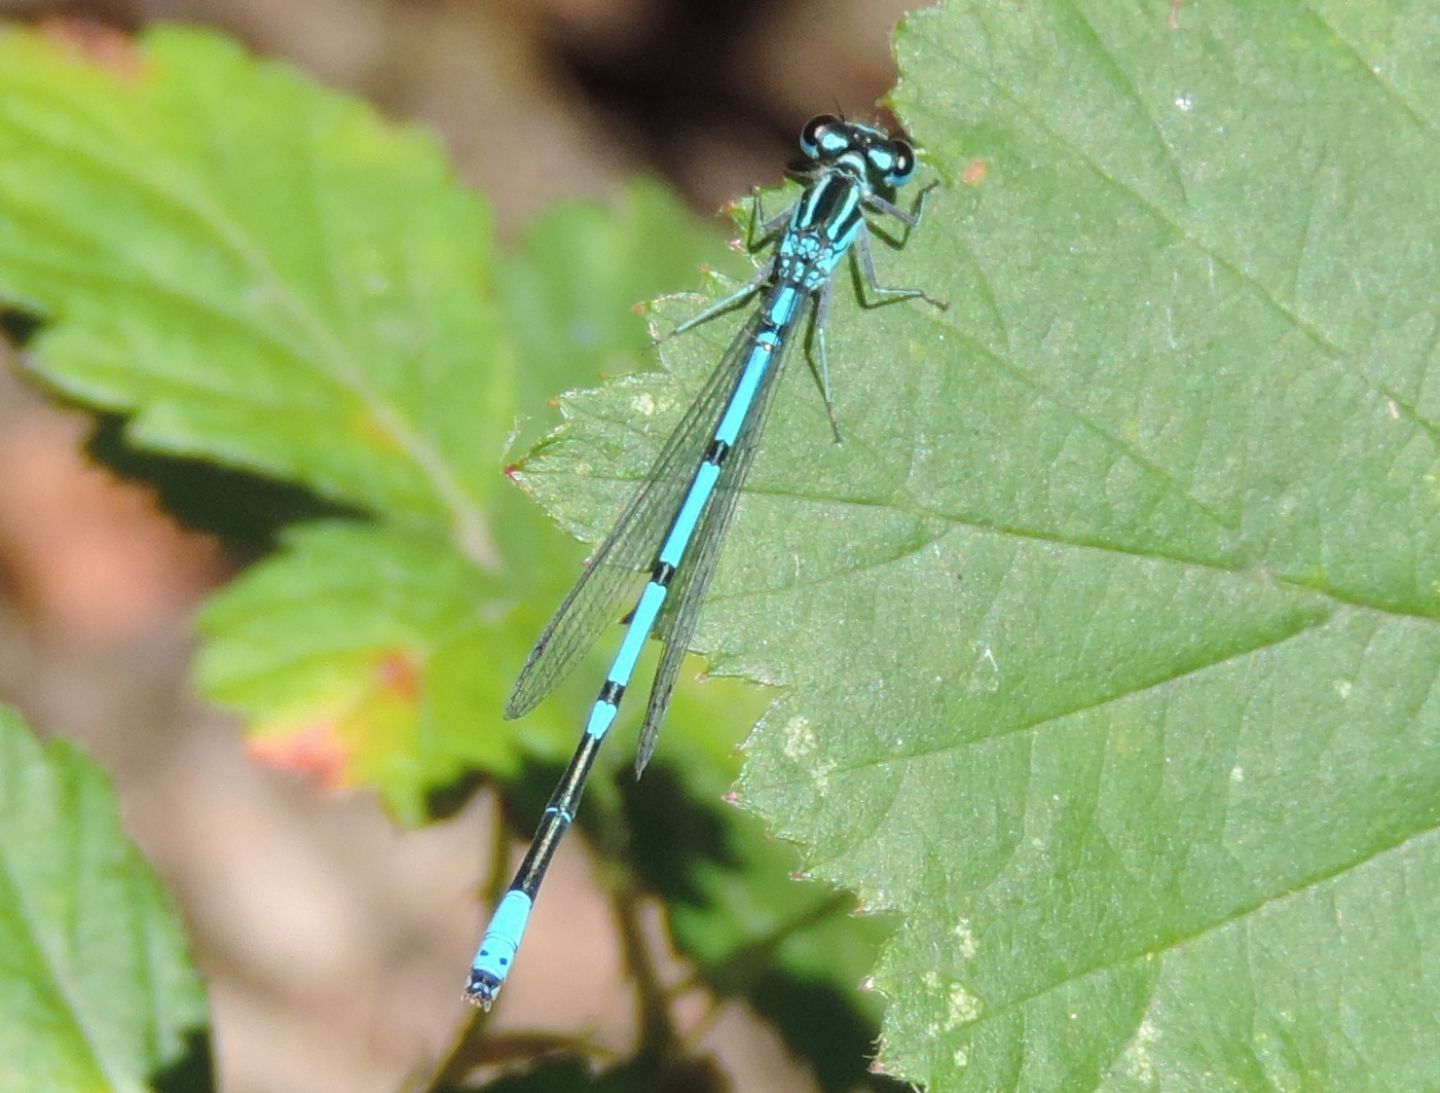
{"x":1107,"y":634}
{"x":289,"y":287}
{"x":96,"y":989}
{"x":795,"y":952}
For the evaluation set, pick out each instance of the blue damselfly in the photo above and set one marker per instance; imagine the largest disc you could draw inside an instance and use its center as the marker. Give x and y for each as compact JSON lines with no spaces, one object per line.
{"x":673,"y":526}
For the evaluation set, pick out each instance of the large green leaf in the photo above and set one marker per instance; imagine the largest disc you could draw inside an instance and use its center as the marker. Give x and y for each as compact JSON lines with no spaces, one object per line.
{"x":1106,"y":635}
{"x":96,"y":988}
{"x":261,"y":273}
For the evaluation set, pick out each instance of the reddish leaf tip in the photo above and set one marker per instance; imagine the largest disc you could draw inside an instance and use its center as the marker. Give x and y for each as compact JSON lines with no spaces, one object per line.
{"x":314,"y":750}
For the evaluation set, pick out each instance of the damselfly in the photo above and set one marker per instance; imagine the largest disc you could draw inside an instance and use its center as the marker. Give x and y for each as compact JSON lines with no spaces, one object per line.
{"x":673,"y":526}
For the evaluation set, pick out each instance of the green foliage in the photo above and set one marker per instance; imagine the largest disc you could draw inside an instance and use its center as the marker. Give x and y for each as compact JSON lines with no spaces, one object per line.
{"x":569,"y":298}
{"x":263,"y":275}
{"x":1106,"y":635}
{"x":96,"y":990}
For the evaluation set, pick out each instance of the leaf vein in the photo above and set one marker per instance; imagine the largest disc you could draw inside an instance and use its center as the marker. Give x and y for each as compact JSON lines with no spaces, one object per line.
{"x":1391,"y":91}
{"x":1244,"y":917}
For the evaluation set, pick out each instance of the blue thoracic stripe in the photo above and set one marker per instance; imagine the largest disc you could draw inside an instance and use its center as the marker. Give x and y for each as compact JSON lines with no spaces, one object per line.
{"x":820,"y":197}
{"x":852,"y":167}
{"x":837,"y":204}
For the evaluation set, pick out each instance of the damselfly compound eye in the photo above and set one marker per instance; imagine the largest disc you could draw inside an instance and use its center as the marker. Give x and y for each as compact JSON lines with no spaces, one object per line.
{"x":817,"y":134}
{"x":903,"y":166}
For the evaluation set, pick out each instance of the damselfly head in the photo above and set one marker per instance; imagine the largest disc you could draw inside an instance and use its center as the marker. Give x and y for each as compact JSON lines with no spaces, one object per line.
{"x":884,"y":160}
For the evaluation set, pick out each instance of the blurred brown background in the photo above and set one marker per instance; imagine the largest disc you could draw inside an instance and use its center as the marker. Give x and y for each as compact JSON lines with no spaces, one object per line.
{"x":335,"y":946}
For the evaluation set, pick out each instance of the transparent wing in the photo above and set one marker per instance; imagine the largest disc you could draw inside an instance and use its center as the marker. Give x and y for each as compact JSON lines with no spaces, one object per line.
{"x":630,"y":548}
{"x":687,"y":593}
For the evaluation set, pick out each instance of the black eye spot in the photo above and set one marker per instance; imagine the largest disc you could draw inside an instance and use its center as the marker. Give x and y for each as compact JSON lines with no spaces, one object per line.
{"x":810,"y":135}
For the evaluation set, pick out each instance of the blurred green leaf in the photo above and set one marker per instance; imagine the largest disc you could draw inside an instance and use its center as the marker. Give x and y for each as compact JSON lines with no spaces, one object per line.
{"x":96,"y":988}
{"x":245,"y":510}
{"x":261,"y":273}
{"x":291,"y":288}
{"x":1106,"y":636}
{"x":572,"y":296}
{"x":563,"y":1073}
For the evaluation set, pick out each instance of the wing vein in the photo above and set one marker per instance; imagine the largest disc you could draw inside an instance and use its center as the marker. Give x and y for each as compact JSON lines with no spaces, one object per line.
{"x":630,"y":548}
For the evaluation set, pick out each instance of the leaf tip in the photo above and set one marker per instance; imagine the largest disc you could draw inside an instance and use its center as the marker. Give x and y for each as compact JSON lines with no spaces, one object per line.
{"x":314,"y":749}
